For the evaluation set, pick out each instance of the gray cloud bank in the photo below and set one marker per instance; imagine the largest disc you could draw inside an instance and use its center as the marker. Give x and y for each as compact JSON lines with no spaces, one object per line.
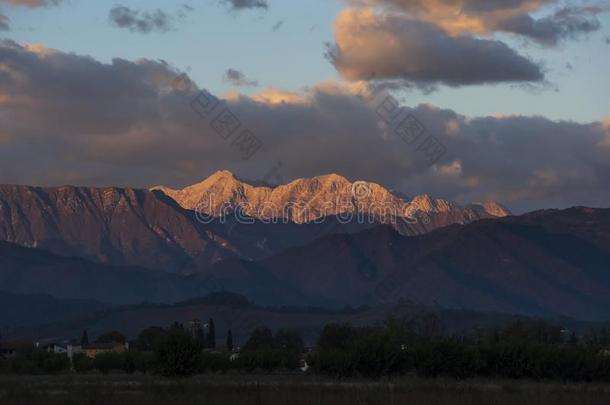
{"x":69,"y":119}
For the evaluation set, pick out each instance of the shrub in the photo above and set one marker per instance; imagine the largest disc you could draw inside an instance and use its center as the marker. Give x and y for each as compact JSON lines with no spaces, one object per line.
{"x":39,"y":362}
{"x":215,"y":362}
{"x":178,"y":354}
{"x":107,"y":362}
{"x":149,"y":337}
{"x":82,"y":363}
{"x":144,"y":362}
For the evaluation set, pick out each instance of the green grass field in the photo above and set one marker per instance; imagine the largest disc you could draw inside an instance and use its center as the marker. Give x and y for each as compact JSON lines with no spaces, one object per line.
{"x":291,"y":390}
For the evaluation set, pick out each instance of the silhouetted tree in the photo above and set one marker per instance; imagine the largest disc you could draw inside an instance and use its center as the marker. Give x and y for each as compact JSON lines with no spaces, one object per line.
{"x":335,"y":336}
{"x":289,"y":346}
{"x":212,"y":335}
{"x":84,"y":340}
{"x":147,"y":338}
{"x":201,"y":338}
{"x":573,"y":339}
{"x":229,"y":340}
{"x":178,"y":354}
{"x":261,"y":338}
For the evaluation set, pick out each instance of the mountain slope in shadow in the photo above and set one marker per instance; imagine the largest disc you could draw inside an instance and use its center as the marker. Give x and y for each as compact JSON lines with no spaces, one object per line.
{"x":544,"y":263}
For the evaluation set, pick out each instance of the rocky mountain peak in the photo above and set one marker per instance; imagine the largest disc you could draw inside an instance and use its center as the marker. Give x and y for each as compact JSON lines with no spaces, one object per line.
{"x":307,"y":199}
{"x":426,"y":203}
{"x":496,"y":209}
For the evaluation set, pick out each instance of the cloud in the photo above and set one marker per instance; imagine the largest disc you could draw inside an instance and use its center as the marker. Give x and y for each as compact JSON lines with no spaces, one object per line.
{"x":569,"y":22}
{"x":137,"y":21}
{"x":485,"y":18}
{"x":184,"y":10}
{"x":246,"y":4}
{"x":390,"y":46}
{"x":237,"y":78}
{"x":69,"y":119}
{"x":454,"y":42}
{"x":32,"y":3}
{"x":277,"y":26}
{"x":273,"y":96}
{"x":5,"y":23}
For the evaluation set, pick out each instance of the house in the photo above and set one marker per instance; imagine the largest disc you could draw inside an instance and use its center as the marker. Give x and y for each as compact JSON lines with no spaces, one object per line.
{"x":56,"y":348}
{"x":7,"y":351}
{"x":92,"y":350}
{"x":74,"y":349}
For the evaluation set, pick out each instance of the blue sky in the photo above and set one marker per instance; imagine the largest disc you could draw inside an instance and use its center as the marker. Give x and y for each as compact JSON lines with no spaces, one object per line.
{"x":211,"y":39}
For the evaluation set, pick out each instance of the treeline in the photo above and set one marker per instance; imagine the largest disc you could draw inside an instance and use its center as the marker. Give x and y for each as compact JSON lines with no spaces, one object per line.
{"x":523,"y":349}
{"x":172,"y":352}
{"x":35,"y":361}
{"x":531,"y":349}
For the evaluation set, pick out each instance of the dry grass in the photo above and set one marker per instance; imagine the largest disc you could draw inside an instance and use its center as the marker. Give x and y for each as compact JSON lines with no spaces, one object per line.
{"x":292,"y":390}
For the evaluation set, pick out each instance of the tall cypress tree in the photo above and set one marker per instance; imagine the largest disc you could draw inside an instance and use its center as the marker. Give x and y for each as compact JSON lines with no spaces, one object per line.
{"x":230,"y":340}
{"x":84,"y":340}
{"x":212,"y":335}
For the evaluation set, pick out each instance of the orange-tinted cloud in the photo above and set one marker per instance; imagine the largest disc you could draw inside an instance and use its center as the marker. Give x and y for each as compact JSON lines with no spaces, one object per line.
{"x":459,"y":17}
{"x":277,"y":96}
{"x":360,"y":89}
{"x":486,"y":17}
{"x":372,"y":45}
{"x":31,"y":3}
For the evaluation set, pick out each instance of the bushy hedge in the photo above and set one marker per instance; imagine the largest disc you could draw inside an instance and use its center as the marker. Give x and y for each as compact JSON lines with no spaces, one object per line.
{"x":522,"y":349}
{"x":266,"y":352}
{"x":36,"y":361}
{"x":178,"y":354}
{"x":345,"y":351}
{"x":127,"y":362}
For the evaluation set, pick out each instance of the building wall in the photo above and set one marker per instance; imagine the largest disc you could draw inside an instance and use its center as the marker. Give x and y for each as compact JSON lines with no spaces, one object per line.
{"x":92,"y":352}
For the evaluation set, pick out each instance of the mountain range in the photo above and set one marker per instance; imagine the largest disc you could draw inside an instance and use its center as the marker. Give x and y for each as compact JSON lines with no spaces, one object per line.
{"x":163,"y":229}
{"x":323,"y":241}
{"x":108,"y":225}
{"x":305,"y":201}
